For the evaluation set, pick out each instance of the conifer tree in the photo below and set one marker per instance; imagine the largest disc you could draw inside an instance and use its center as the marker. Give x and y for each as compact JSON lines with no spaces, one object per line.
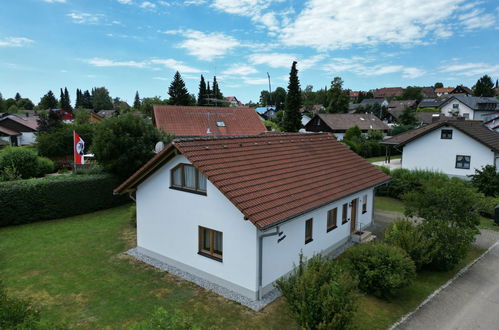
{"x":136,"y":102}
{"x":48,"y":101}
{"x":202,"y":92}
{"x":67,"y":101}
{"x":484,"y":87}
{"x":177,"y":91}
{"x":216,"y":90}
{"x":292,"y":116}
{"x":87,"y":100}
{"x":78,"y":99}
{"x":17,"y":97}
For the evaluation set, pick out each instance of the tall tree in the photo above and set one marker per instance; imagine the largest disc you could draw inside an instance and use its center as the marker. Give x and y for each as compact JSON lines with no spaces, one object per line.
{"x":265,"y":98}
{"x":216,"y":91}
{"x":484,"y":87}
{"x":17,"y":97}
{"x":136,"y":101}
{"x":438,"y":85}
{"x":61,"y":99}
{"x":202,"y":92}
{"x":87,"y":100}
{"x":279,"y":98}
{"x":48,"y":101}
{"x":101,"y":99}
{"x":67,"y":100}
{"x":177,"y":91}
{"x":2,"y":103}
{"x":78,"y":99}
{"x":292,"y":116}
{"x":338,"y":97}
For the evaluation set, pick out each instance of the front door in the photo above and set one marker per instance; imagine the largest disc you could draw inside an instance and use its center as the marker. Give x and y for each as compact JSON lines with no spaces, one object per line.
{"x":353,"y":217}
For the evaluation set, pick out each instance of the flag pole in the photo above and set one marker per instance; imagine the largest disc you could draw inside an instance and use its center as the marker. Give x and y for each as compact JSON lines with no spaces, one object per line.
{"x":74,"y":152}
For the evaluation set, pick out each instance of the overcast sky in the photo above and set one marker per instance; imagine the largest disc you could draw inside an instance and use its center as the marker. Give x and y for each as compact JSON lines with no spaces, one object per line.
{"x":129,"y":45}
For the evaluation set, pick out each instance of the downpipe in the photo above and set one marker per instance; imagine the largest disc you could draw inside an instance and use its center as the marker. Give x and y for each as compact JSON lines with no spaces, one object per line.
{"x":261,"y":236}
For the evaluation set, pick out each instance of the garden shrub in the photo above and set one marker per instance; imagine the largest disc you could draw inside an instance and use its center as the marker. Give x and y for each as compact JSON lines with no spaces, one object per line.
{"x":167,"y":320}
{"x":45,"y":166}
{"x":404,"y":180}
{"x":381,"y":269}
{"x":23,"y":160}
{"x":320,"y":294}
{"x":410,"y":238}
{"x":486,"y":180}
{"x":58,"y":142}
{"x":27,"y":201}
{"x":487,"y":206}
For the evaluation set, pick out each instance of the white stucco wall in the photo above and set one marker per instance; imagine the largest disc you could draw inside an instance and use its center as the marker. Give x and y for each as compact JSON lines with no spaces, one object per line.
{"x":27,"y":138}
{"x":430,"y":152}
{"x":280,"y":258}
{"x":463,"y":109}
{"x":339,"y":136}
{"x":168,"y":221}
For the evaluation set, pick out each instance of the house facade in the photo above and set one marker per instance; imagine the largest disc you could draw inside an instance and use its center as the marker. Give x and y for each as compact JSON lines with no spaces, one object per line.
{"x":207,"y":208}
{"x":18,"y":131}
{"x":469,"y":107}
{"x":453,"y":147}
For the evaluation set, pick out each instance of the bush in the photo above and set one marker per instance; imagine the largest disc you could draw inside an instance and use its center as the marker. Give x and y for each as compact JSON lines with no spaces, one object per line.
{"x":45,"y":166}
{"x":23,"y":160}
{"x":381,"y":269}
{"x":404,"y":181}
{"x":487,"y":206}
{"x":486,"y":180}
{"x":410,"y":238}
{"x":398,"y":129}
{"x":162,"y":319}
{"x":27,"y":201}
{"x":320,"y":294}
{"x":58,"y":142}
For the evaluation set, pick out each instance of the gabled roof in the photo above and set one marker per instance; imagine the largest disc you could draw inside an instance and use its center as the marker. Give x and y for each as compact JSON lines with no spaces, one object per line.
{"x":472,"y":128}
{"x":271,"y":178}
{"x":9,"y":132}
{"x":474,"y":102}
{"x":31,"y":123}
{"x":432,"y":102}
{"x":444,"y":90}
{"x":208,"y":121}
{"x":344,"y":121}
{"x":396,"y":107}
{"x":388,"y":92}
{"x":365,"y":102}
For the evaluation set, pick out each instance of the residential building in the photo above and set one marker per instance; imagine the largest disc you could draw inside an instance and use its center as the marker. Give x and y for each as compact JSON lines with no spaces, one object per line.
{"x":371,"y":102}
{"x":397,"y":107}
{"x":312,"y":108}
{"x":387,"y":92}
{"x":461,"y":90}
{"x":493,"y":122}
{"x":338,"y":124}
{"x":454,"y":147}
{"x":234,"y":102}
{"x":443,"y":91}
{"x":108,"y":113}
{"x":428,"y":92}
{"x":18,"y":130}
{"x":469,"y":107}
{"x":238,"y":211}
{"x":207,"y":121}
{"x":432,"y":102}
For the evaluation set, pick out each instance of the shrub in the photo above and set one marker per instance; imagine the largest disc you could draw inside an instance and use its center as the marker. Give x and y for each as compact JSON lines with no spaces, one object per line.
{"x":487,"y":206}
{"x":486,"y":180}
{"x":45,"y":166}
{"x":162,"y":319}
{"x":353,"y":133}
{"x":58,"y":142}
{"x":398,"y":129}
{"x":23,"y":160}
{"x":27,"y":201}
{"x":381,"y":269}
{"x":404,"y":181}
{"x":320,"y":294}
{"x":410,"y":238}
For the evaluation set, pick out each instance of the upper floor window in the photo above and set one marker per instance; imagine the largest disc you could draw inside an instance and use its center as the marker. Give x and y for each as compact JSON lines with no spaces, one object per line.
{"x":463,"y":161}
{"x":332,"y":216}
{"x":446,"y":134}
{"x":187,"y":177}
{"x":455,"y":106}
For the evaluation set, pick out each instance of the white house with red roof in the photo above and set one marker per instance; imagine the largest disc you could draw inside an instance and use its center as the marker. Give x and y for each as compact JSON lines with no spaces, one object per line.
{"x":237,"y":211}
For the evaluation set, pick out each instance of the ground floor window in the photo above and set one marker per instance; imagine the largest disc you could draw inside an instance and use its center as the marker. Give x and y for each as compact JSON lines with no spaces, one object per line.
{"x":332,"y":216}
{"x":210,"y":243}
{"x":463,"y":161}
{"x":364,"y":204}
{"x":308,"y":231}
{"x":344,"y":214}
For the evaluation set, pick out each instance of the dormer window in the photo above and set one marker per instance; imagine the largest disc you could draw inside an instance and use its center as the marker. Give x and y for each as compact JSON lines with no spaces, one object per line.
{"x":220,"y":124}
{"x":187,"y":178}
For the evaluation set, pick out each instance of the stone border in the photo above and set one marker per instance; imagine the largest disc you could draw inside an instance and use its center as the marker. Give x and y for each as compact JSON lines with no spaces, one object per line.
{"x":445,"y":285}
{"x":255,"y":305}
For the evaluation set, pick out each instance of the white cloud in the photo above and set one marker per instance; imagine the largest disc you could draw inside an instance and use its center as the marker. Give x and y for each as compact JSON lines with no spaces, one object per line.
{"x":54,"y":1}
{"x":240,"y":70}
{"x":102,"y":62}
{"x":207,"y":46}
{"x":85,"y":18}
{"x":283,"y":60}
{"x":472,"y":69}
{"x":326,"y":24}
{"x":125,"y":2}
{"x":255,"y":81}
{"x":363,"y":67}
{"x":160,"y":78}
{"x":476,"y":19}
{"x":175,"y":65}
{"x":147,"y":5}
{"x":15,"y":42}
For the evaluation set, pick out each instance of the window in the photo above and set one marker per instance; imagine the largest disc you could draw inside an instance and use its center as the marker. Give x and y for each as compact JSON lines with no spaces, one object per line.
{"x":364,"y":204}
{"x":332,"y":216}
{"x":446,"y":134}
{"x":210,"y":243}
{"x":308,"y":231}
{"x":466,"y":115}
{"x":455,"y":106}
{"x":220,"y":124}
{"x":187,"y":178}
{"x":344,"y":215}
{"x":463,"y":161}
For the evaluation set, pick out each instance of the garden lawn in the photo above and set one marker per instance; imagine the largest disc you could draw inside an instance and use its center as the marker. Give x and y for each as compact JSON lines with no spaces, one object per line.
{"x":389,"y":204}
{"x":74,"y":269}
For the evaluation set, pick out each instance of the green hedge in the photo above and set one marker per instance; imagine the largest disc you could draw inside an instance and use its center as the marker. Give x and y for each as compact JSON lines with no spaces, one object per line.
{"x":26,"y":201}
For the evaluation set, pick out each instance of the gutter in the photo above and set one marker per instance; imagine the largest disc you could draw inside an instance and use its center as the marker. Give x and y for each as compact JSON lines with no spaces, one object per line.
{"x":261,"y":236}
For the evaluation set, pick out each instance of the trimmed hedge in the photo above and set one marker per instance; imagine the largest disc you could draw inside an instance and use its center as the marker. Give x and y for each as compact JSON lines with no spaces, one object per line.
{"x":26,"y":201}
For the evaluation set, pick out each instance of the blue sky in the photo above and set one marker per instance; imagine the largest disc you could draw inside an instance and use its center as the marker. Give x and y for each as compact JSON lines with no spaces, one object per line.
{"x":129,"y":45}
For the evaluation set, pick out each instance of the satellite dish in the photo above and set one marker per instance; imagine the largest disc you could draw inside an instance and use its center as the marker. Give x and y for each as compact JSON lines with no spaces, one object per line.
{"x":159,"y":146}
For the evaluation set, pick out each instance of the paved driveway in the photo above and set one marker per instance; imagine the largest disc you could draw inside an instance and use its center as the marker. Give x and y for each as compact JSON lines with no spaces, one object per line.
{"x":470,"y":302}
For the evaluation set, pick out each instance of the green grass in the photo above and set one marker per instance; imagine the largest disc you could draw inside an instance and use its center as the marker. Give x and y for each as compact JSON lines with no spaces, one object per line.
{"x":486,"y":223}
{"x":75,"y":271}
{"x":381,"y":158}
{"x":381,"y":314}
{"x":389,"y":204}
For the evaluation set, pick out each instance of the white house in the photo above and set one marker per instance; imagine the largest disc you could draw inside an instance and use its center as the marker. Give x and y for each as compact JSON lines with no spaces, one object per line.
{"x":237,"y":211}
{"x":469,"y":107}
{"x":453,"y":147}
{"x":18,"y":131}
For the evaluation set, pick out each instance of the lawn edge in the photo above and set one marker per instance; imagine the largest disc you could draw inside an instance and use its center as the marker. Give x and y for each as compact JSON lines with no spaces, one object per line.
{"x":460,"y":273}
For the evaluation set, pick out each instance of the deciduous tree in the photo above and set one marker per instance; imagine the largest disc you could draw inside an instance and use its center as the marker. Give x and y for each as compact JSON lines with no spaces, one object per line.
{"x":338,"y":98}
{"x":101,"y":99}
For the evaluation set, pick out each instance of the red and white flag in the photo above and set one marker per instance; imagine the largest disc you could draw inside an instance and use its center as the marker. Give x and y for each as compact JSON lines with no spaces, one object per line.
{"x":79,"y":148}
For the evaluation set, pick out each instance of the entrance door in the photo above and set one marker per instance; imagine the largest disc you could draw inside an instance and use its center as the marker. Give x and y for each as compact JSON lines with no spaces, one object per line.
{"x":353,"y":217}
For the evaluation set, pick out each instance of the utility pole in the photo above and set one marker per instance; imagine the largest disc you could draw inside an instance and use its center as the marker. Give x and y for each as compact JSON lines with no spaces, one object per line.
{"x":270,"y":91}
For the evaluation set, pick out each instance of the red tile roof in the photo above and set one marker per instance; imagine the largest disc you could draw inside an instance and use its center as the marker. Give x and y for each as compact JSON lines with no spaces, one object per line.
{"x":388,"y":92}
{"x":195,"y":121}
{"x":444,"y":90}
{"x":272,"y":178}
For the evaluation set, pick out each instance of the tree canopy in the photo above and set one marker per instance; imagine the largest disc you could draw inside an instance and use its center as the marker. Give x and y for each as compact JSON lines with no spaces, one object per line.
{"x":484,"y":87}
{"x":48,"y":101}
{"x":338,"y":98}
{"x":101,"y":99}
{"x":292,"y":116}
{"x":177,"y":91}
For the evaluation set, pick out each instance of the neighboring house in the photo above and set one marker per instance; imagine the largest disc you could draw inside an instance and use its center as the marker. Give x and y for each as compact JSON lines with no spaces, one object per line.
{"x":233,"y":101}
{"x":443,"y":91}
{"x":425,"y":118}
{"x":338,"y":124}
{"x":108,"y":113}
{"x":95,"y":118}
{"x":469,"y":107}
{"x":387,"y":92}
{"x":431,"y":102}
{"x":353,"y":96}
{"x":370,"y":102}
{"x":461,"y":90}
{"x":313,"y":109}
{"x":397,"y":107}
{"x":305,"y":119}
{"x":454,"y":147}
{"x":65,"y":115}
{"x":210,"y":121}
{"x":18,"y":131}
{"x":428,"y":92}
{"x":238,"y":211}
{"x":493,"y":123}
{"x":268,"y":112}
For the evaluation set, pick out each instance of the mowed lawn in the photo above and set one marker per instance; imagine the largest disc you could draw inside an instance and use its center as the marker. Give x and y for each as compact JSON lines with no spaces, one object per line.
{"x":75,"y":270}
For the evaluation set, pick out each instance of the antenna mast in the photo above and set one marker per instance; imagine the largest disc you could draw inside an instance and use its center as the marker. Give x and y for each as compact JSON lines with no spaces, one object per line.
{"x":270,"y":91}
